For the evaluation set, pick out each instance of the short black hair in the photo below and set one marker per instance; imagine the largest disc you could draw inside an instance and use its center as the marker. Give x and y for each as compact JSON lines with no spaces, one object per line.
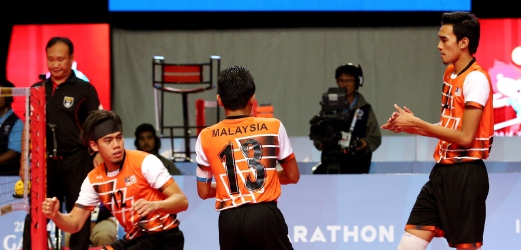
{"x":352,"y":70}
{"x":235,"y":86}
{"x":147,"y":127}
{"x":8,"y":99}
{"x":464,"y":24}
{"x":62,"y":39}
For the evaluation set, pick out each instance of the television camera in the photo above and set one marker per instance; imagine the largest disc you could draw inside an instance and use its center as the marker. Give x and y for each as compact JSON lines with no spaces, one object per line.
{"x":330,"y":125}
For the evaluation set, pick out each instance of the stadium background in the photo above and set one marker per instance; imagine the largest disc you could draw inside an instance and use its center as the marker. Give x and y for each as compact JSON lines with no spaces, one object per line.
{"x":348,"y":198}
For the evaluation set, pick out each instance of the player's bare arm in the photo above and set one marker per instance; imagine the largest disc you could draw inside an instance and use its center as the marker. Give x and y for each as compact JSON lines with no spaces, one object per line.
{"x":71,"y":222}
{"x":9,"y":156}
{"x":465,"y":136}
{"x":407,"y":122}
{"x":205,"y":187}
{"x":175,"y":202}
{"x":289,"y":174}
{"x":206,"y":190}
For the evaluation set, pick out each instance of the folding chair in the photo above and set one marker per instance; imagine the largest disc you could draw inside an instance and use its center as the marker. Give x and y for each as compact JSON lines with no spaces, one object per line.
{"x":262,"y":110}
{"x":181,"y":79}
{"x":265,"y":110}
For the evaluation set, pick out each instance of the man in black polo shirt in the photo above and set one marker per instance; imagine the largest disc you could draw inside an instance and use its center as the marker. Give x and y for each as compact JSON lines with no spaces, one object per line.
{"x":69,"y":100}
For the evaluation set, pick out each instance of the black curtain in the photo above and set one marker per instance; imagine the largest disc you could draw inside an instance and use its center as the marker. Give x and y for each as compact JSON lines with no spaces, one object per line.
{"x":5,"y":36}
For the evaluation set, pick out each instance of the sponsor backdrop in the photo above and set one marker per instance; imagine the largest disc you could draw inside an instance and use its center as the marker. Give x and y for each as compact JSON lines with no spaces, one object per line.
{"x":359,"y":212}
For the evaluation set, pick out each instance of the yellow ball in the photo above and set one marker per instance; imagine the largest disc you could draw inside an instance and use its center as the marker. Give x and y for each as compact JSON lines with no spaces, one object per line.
{"x":19,"y":188}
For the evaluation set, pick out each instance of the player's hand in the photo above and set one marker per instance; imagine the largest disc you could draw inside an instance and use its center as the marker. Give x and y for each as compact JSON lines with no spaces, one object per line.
{"x":143,"y":207}
{"x":97,"y":160}
{"x":50,"y":207}
{"x":390,"y":120}
{"x":399,"y":120}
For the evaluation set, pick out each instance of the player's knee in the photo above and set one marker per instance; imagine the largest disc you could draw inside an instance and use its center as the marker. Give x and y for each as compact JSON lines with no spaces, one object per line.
{"x":412,"y":242}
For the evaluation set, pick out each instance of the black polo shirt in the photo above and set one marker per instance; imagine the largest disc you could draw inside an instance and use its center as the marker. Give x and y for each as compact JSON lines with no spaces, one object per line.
{"x":67,"y":107}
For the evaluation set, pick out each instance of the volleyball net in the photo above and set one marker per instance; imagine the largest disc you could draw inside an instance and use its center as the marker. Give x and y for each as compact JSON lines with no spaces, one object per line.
{"x":25,"y":189}
{"x":13,"y":191}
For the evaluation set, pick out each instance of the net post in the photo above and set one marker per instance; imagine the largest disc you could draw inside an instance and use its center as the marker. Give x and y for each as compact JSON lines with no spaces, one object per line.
{"x":38,"y":167}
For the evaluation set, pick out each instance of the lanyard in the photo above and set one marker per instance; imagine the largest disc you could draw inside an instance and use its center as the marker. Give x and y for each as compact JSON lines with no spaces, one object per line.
{"x":346,"y":136}
{"x":355,"y":117}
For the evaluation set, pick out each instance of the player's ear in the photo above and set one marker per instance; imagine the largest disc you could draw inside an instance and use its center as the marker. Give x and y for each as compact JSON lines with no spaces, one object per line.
{"x":93,"y":146}
{"x":464,"y":43}
{"x":219,"y":101}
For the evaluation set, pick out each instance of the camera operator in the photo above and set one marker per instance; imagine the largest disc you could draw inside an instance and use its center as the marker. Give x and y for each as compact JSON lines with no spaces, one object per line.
{"x":356,"y":137}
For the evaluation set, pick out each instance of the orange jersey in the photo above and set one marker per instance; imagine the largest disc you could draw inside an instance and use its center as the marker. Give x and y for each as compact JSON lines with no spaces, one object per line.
{"x":142,"y":176}
{"x":242,"y":154}
{"x":453,"y":105}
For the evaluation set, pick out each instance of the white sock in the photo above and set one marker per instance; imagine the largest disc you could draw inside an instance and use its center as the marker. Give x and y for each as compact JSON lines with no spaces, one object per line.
{"x":412,"y":242}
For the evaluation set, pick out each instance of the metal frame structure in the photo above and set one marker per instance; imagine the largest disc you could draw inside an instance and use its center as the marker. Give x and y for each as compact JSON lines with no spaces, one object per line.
{"x":183,"y":79}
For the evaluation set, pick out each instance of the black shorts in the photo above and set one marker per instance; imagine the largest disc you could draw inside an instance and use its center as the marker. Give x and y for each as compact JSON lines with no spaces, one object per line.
{"x":254,"y":227}
{"x":453,"y":203}
{"x":172,"y":239}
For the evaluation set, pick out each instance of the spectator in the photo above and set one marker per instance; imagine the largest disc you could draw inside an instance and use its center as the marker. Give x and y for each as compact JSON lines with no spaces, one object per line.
{"x":105,"y":230}
{"x":10,"y":135}
{"x":147,"y":140}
